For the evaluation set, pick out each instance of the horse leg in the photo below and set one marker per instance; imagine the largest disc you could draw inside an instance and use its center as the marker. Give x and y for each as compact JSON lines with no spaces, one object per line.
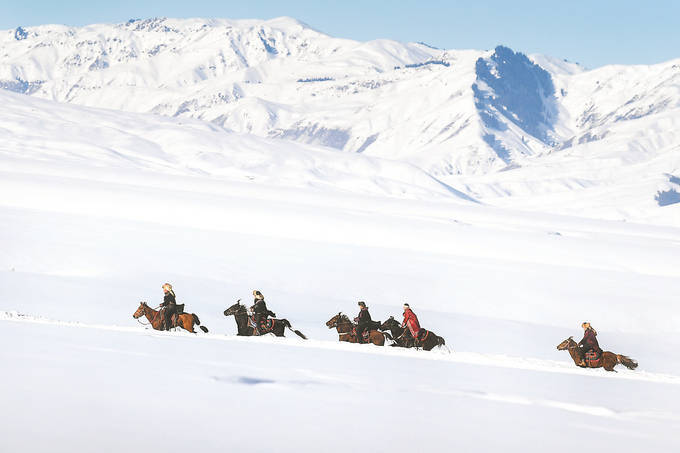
{"x":280,"y":327}
{"x":377,"y":338}
{"x":609,"y":361}
{"x":198,"y":322}
{"x":577,"y":358}
{"x":186,"y":322}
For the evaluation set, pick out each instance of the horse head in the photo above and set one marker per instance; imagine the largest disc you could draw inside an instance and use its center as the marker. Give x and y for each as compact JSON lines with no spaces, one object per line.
{"x":566,"y":344}
{"x":333,"y":322}
{"x":234,"y":309}
{"x":140,"y":311}
{"x":391,"y":322}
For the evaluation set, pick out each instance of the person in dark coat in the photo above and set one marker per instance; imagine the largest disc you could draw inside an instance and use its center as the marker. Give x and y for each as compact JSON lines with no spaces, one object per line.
{"x":363,"y":321}
{"x":260,"y":311}
{"x":589,"y":341}
{"x":168,"y":307}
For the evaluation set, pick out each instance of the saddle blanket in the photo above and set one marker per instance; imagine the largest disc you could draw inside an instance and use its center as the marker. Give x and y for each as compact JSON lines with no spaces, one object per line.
{"x":593,"y":359}
{"x":266,"y":325}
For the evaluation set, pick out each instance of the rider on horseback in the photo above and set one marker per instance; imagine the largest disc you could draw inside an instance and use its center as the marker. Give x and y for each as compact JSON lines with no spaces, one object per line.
{"x":260,"y":311}
{"x":363,"y":321}
{"x":168,"y":307}
{"x":589,"y":342}
{"x":410,"y":321}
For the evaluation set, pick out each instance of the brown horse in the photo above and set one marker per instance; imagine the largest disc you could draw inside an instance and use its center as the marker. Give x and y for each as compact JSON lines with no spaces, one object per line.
{"x":345,"y":329}
{"x":185,"y":320}
{"x":608,"y":360}
{"x":403,"y":338}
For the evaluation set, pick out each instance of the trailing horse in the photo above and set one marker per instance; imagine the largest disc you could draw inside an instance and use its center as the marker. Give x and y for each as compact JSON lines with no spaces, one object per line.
{"x":608,"y":360}
{"x":246,"y":329}
{"x":402,"y":336}
{"x":186,"y":321}
{"x":346,"y":331}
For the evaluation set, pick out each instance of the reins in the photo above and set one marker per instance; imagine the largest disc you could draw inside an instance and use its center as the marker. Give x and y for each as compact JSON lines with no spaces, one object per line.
{"x":139,"y":320}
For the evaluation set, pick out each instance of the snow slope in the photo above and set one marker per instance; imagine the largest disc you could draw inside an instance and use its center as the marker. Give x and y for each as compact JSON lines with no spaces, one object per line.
{"x":285,"y":395}
{"x":99,"y":207}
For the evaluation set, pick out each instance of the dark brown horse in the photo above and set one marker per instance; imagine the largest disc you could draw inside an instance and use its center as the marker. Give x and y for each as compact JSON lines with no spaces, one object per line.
{"x":403,"y":338}
{"x":186,"y":321}
{"x":608,"y":360}
{"x":345,"y":329}
{"x":246,"y":329}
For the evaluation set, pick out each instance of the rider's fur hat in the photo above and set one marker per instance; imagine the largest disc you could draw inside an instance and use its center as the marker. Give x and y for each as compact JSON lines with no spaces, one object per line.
{"x":257,"y":294}
{"x":168,"y":286}
{"x":362,"y":303}
{"x":586,"y":325}
{"x":406,"y":305}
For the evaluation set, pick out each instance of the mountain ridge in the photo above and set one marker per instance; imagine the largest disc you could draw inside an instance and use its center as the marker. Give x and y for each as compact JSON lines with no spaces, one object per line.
{"x":462,"y":116}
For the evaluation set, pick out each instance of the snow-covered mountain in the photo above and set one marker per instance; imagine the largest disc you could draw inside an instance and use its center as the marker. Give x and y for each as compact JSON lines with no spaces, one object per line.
{"x":555,"y":129}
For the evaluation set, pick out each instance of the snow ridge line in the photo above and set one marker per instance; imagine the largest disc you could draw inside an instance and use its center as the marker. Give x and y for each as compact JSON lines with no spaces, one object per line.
{"x":469,"y":358}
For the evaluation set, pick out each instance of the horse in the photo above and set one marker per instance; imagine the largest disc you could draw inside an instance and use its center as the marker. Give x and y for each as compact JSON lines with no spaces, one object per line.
{"x":244,"y":329}
{"x":426,"y":339}
{"x":185,"y":320}
{"x":345,"y":329}
{"x":402,"y":337}
{"x":608,"y":360}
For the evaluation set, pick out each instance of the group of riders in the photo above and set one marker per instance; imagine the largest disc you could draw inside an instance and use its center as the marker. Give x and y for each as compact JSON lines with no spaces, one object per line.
{"x":410,"y":324}
{"x":363,"y":321}
{"x":260,"y":314}
{"x":169,"y":307}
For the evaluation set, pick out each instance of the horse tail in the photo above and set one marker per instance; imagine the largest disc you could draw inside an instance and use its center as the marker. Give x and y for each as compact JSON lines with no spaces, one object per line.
{"x":441,"y":342}
{"x":198,"y":323}
{"x":626,"y":361}
{"x":297,"y":332}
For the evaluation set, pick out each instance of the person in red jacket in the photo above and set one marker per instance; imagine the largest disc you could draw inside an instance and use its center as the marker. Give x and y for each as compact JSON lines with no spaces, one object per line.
{"x":589,"y":341}
{"x":411,"y":321}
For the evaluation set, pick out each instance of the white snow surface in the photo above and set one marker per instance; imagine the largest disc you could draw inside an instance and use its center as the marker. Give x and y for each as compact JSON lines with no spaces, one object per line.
{"x":99,"y":207}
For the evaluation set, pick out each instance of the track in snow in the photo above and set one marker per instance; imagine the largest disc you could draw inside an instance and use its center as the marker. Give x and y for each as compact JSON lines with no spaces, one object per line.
{"x":471,"y":358}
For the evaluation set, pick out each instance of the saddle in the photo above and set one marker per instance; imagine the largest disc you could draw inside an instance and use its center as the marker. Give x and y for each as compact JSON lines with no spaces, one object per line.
{"x":265,"y":326}
{"x":422,"y":335}
{"x":174,"y":318}
{"x":593,"y":359}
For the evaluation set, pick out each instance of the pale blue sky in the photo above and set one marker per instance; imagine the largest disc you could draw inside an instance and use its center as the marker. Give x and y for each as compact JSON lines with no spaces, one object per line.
{"x":593,"y":32}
